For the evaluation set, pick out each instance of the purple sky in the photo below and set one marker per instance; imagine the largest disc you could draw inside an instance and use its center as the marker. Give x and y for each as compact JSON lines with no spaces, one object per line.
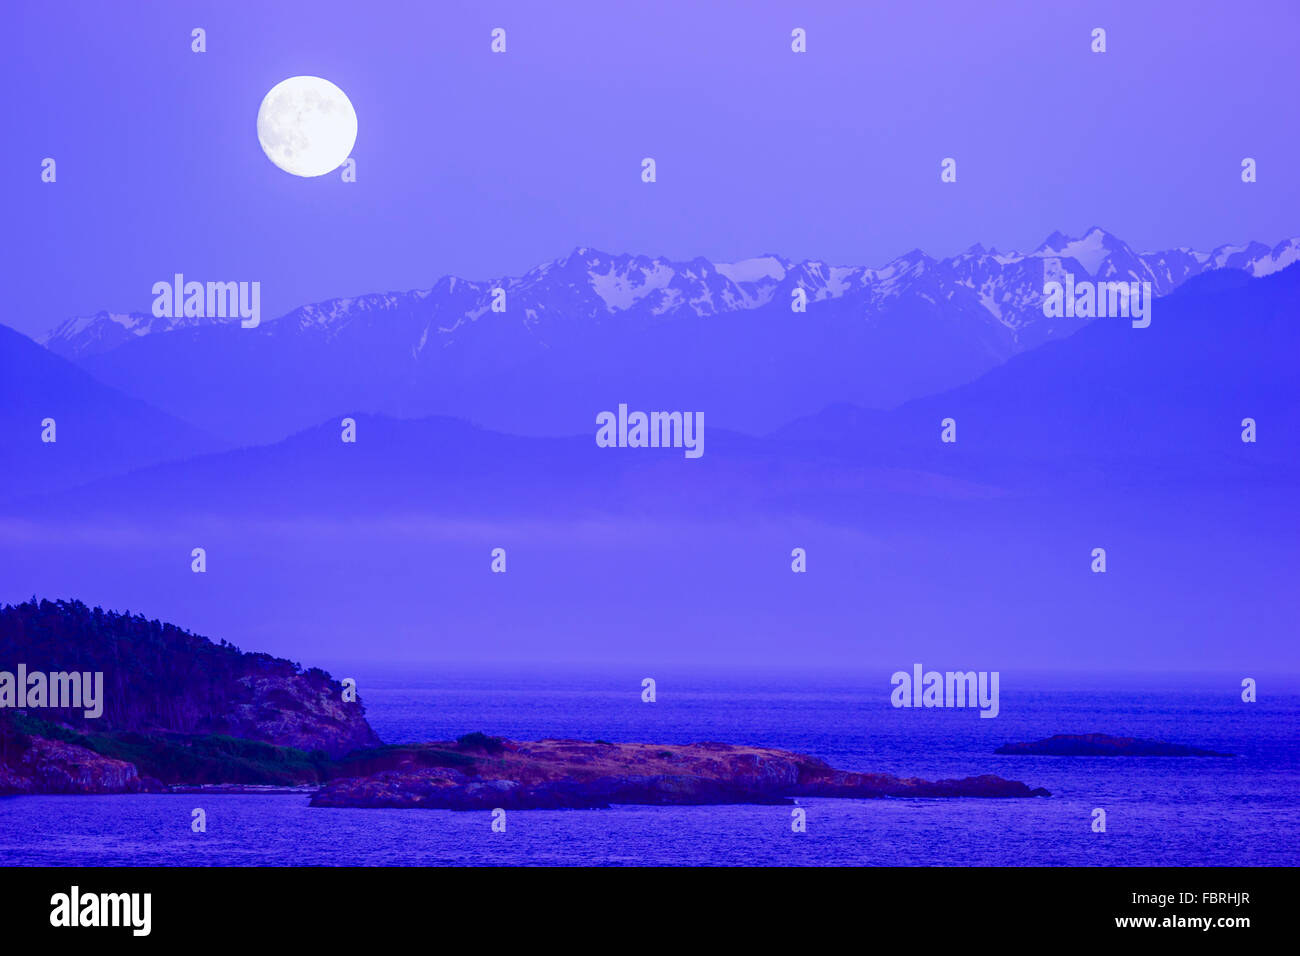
{"x":481,"y":165}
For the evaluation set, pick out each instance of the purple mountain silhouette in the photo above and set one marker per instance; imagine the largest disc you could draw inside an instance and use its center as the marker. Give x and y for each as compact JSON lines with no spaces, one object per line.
{"x":1116,"y":437}
{"x":1158,"y":402}
{"x":1143,"y":406}
{"x":99,"y":430}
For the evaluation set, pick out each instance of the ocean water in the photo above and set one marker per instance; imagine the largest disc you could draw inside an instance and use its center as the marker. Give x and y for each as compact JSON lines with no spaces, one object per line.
{"x":1243,"y":810}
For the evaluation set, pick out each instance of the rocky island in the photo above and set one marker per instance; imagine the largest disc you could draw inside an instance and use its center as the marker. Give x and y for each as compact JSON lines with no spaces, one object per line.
{"x":1104,"y":745}
{"x":478,"y":772}
{"x":179,"y":712}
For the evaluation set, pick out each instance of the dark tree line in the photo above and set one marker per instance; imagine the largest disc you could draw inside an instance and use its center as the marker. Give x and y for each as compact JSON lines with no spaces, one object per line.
{"x":156,"y":676}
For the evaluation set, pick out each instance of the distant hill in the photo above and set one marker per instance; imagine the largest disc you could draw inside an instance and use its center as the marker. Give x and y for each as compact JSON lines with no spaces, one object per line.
{"x":99,"y":430}
{"x":1115,"y":437}
{"x":1133,"y":406}
{"x":1141,"y":405}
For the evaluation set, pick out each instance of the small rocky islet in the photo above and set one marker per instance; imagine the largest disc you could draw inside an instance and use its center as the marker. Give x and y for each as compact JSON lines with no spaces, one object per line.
{"x":1103,"y":745}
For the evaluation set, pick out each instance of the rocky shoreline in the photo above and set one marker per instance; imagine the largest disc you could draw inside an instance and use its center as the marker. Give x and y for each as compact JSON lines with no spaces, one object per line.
{"x":184,"y":715}
{"x":572,"y":774}
{"x":55,"y":766}
{"x":479,"y":772}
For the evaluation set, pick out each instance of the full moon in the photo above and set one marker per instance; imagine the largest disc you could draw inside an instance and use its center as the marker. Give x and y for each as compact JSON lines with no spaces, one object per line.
{"x":306,"y":126}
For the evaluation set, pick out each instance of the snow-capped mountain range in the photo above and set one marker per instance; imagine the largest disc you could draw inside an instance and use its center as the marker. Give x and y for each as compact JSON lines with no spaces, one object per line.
{"x":589,"y":285}
{"x":589,"y":330}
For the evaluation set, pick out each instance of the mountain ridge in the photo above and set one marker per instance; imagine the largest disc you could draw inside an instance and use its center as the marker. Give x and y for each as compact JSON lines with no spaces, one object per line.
{"x":580,"y":329}
{"x":1153,"y":379}
{"x":1125,"y":439}
{"x":639,"y":283}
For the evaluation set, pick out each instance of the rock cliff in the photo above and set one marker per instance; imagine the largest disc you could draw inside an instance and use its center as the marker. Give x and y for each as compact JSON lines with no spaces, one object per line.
{"x":53,"y":766}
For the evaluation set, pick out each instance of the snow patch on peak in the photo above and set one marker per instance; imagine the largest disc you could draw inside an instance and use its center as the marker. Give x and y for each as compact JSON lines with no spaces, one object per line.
{"x":623,"y":290}
{"x":1222,"y":254}
{"x":1281,"y":256}
{"x":134,"y":322}
{"x":1090,"y":251}
{"x":909,"y":264}
{"x":753,"y":270}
